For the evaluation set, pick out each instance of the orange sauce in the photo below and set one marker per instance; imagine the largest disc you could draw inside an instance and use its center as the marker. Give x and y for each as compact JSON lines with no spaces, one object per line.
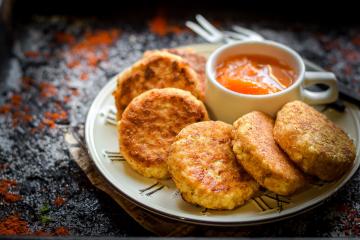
{"x":255,"y":74}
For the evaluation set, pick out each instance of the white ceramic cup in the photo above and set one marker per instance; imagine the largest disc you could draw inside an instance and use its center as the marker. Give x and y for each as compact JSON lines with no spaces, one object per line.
{"x":227,"y":105}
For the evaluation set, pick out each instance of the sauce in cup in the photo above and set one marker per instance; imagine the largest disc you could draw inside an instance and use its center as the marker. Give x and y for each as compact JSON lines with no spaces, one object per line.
{"x":255,"y":74}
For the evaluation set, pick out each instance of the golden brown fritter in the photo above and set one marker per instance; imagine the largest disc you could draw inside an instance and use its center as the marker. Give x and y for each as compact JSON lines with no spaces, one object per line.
{"x":150,"y":124}
{"x":157,"y":70}
{"x":196,"y":62}
{"x":257,"y":151}
{"x":313,"y":142}
{"x":204,"y":168}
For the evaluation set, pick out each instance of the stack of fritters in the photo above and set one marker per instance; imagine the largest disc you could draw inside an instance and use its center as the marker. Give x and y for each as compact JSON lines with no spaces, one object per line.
{"x":257,"y":152}
{"x":155,"y":98}
{"x":164,"y":131}
{"x":302,"y":139}
{"x":157,"y":69}
{"x":158,"y":97}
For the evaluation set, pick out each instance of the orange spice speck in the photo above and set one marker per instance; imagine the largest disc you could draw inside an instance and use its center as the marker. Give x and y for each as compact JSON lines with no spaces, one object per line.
{"x":61,"y":231}
{"x":51,"y":118}
{"x":5,"y":108}
{"x":28,"y":118}
{"x":20,"y":116}
{"x":19,"y":112}
{"x":47,"y":89}
{"x":56,"y":115}
{"x":59,"y":201}
{"x":84,"y":76}
{"x":31,"y":54}
{"x":13,"y":225}
{"x":62,"y":37}
{"x":5,"y":186}
{"x":67,"y":99}
{"x":92,"y":59}
{"x":16,"y":101}
{"x":47,"y":122}
{"x":91,"y":49}
{"x":93,"y":40}
{"x":74,"y":63}
{"x":11,"y":197}
{"x":26,"y":81}
{"x":159,"y":25}
{"x":3,"y":166}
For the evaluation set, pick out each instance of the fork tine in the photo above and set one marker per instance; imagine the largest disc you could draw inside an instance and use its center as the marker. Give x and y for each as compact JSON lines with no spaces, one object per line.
{"x":200,"y":31}
{"x":237,"y":36}
{"x":230,"y":40}
{"x":117,"y":159}
{"x":111,"y":120}
{"x":251,"y":34}
{"x":208,"y":26}
{"x":111,"y":117}
{"x":111,"y":152}
{"x":113,"y":156}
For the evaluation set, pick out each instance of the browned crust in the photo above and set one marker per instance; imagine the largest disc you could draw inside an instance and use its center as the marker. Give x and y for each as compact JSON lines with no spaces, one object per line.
{"x":150,"y":124}
{"x":195,"y":61}
{"x":313,"y":142}
{"x":156,"y":70}
{"x":204,"y":168}
{"x":261,"y":157}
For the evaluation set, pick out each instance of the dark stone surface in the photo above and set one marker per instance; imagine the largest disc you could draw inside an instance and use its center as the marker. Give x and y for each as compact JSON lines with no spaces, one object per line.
{"x":39,"y":161}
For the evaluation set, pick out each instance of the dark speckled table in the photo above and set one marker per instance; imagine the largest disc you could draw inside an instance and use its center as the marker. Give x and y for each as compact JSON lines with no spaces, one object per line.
{"x":46,"y":74}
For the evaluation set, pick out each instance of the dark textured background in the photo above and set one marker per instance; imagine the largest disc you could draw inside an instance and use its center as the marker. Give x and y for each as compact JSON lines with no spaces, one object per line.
{"x":38,"y":158}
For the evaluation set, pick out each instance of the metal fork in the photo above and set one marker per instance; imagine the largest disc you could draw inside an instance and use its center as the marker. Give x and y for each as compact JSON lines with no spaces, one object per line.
{"x":211,"y":34}
{"x":110,"y":116}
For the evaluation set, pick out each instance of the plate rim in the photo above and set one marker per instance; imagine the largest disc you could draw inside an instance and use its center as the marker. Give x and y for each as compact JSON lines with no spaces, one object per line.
{"x":91,"y":116}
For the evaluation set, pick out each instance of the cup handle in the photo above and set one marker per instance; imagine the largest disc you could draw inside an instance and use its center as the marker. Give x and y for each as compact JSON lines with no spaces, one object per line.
{"x":328,"y":96}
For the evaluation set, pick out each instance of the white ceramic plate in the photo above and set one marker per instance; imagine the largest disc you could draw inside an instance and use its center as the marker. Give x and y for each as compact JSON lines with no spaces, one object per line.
{"x":161,"y":197}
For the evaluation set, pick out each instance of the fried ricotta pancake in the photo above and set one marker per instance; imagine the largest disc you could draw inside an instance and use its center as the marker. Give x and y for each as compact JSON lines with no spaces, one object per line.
{"x":157,"y":70}
{"x":195,"y":60}
{"x":313,"y":142}
{"x":150,"y":124}
{"x":204,"y":169}
{"x":257,"y":151}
